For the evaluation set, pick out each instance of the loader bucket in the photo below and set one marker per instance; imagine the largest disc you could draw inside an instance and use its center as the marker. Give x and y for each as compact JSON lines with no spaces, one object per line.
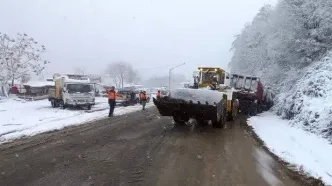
{"x":171,"y":107}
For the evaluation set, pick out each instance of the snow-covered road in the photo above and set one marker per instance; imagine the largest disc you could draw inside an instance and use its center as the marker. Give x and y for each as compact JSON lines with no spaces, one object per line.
{"x":294,"y":145}
{"x":25,"y":118}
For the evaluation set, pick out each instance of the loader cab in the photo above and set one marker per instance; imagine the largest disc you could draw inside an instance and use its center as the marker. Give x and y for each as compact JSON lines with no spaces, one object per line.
{"x":208,"y":77}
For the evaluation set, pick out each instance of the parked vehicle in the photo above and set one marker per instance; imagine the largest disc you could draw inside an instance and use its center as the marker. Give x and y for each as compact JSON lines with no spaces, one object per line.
{"x":127,"y":97}
{"x":72,"y":91}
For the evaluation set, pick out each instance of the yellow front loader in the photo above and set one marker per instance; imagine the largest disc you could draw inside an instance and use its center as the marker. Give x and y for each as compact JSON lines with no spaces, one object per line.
{"x":183,"y":104}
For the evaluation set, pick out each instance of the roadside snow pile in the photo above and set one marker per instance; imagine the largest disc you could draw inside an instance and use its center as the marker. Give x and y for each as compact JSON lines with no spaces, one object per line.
{"x":294,"y":145}
{"x":195,"y":95}
{"x":308,"y":105}
{"x":25,"y":118}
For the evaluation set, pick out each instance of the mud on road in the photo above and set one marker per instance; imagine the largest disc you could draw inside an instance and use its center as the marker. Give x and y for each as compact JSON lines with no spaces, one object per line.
{"x":141,"y":148}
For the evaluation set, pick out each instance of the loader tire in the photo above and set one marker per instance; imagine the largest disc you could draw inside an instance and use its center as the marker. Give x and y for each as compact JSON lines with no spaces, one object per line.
{"x":202,"y":122}
{"x":223,"y":118}
{"x":220,"y":123}
{"x":178,"y":120}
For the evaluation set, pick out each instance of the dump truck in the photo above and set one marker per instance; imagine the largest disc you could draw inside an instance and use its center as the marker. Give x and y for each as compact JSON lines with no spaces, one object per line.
{"x":215,"y":96}
{"x":72,"y":91}
{"x":248,"y":91}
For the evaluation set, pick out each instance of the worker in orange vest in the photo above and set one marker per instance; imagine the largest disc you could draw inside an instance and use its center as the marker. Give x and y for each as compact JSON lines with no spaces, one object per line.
{"x":143,"y":99}
{"x":111,"y":100}
{"x":140,"y":97}
{"x":158,"y":94}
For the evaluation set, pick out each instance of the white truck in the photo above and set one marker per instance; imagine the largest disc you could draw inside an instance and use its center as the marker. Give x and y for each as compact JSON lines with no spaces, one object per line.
{"x":72,"y":91}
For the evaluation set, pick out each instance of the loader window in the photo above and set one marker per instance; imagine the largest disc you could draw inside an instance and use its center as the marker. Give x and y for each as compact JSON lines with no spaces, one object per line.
{"x":222,"y":78}
{"x":208,"y":76}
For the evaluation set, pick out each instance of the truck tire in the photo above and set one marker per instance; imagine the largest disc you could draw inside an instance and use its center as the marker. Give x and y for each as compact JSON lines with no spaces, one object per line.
{"x":53,"y":103}
{"x":253,"y":109}
{"x":62,"y":104}
{"x":89,"y":107}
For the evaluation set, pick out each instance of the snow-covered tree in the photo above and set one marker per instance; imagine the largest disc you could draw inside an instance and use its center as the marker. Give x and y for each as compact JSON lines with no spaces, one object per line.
{"x":80,"y":70}
{"x":284,"y":39}
{"x":19,"y":57}
{"x":122,"y":72}
{"x":286,"y":45}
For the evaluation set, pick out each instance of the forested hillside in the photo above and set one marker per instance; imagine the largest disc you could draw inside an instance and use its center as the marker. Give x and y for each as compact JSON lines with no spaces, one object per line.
{"x":289,"y":47}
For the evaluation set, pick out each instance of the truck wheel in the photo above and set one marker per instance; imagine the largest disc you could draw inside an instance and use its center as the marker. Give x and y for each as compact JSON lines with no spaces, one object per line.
{"x":62,"y":104}
{"x":89,"y":107}
{"x":53,"y":103}
{"x":260,"y":108}
{"x":253,"y":110}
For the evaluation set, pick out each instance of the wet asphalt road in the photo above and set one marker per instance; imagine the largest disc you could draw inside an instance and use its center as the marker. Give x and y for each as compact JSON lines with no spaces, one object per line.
{"x":141,"y":148}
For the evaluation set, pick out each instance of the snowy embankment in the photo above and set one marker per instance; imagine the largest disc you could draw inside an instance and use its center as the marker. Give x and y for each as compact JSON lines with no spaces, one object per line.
{"x":25,"y":118}
{"x":309,"y":103}
{"x":306,"y":151}
{"x":304,"y":138}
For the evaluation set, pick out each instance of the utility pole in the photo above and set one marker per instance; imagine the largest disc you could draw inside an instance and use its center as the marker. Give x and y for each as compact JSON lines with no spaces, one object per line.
{"x":169,"y":75}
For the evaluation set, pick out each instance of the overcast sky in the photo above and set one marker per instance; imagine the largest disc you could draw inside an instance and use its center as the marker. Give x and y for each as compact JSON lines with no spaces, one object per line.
{"x":153,"y":35}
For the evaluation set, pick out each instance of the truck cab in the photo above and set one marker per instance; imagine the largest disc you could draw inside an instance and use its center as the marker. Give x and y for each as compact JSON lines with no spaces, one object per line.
{"x":72,"y":91}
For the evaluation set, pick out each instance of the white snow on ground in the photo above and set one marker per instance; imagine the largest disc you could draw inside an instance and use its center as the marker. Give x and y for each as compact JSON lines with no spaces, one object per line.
{"x":195,"y":95}
{"x":294,"y":145}
{"x":25,"y":118}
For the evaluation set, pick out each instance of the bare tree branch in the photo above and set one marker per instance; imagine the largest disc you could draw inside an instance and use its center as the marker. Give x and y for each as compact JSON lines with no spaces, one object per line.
{"x":122,"y":72}
{"x":20,"y":56}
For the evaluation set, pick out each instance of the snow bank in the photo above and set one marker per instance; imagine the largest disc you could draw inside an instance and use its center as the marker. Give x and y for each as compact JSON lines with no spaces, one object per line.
{"x":39,"y":83}
{"x":294,"y":145}
{"x":195,"y":95}
{"x":309,"y":103}
{"x":25,"y":118}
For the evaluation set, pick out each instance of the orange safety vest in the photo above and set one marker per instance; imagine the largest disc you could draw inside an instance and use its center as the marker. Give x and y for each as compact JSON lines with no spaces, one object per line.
{"x":143,"y":96}
{"x":111,"y":95}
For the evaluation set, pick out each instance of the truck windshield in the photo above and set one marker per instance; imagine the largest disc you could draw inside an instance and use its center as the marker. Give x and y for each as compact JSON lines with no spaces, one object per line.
{"x":247,"y":83}
{"x":254,"y":86}
{"x":239,"y":83}
{"x":79,"y":88}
